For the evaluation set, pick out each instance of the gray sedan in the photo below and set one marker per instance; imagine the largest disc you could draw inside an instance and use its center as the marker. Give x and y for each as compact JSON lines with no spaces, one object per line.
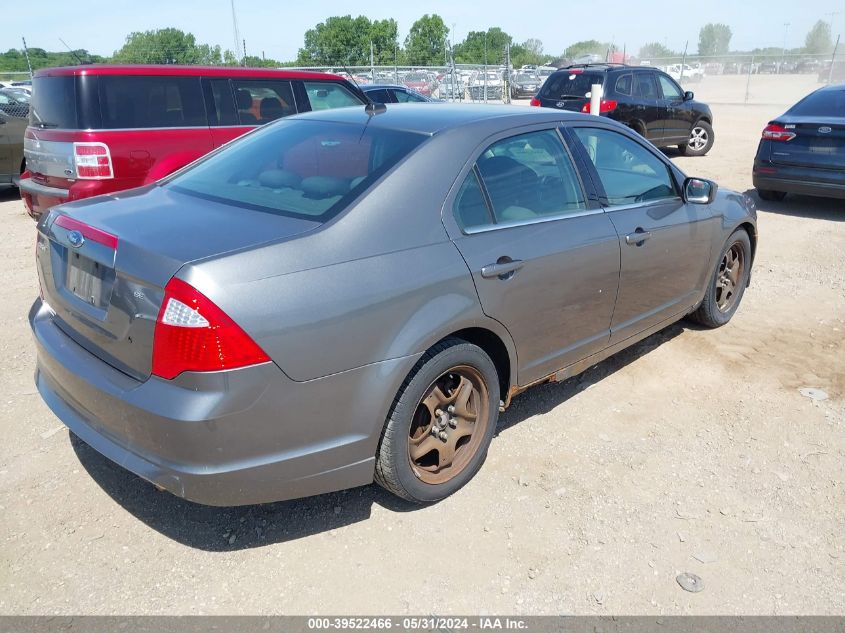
{"x":355,"y":294}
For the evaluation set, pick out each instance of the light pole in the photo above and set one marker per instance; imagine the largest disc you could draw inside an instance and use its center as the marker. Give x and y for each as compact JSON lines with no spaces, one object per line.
{"x":783,"y":54}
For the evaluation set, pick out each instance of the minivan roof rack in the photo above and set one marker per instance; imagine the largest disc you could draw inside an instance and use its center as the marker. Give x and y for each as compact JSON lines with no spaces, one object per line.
{"x":596,"y":64}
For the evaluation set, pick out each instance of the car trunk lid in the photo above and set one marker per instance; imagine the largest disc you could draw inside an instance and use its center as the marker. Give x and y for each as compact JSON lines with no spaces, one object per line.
{"x":103,"y":263}
{"x":818,"y":142}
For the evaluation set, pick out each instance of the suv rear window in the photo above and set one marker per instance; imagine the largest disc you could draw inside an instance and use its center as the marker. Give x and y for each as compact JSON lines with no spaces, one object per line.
{"x":151,"y":102}
{"x":826,"y":103}
{"x":298,"y":168}
{"x":570,"y":84}
{"x":53,"y":102}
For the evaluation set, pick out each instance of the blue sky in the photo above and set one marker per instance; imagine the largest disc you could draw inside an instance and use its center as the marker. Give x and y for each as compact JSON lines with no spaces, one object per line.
{"x":277,"y":28}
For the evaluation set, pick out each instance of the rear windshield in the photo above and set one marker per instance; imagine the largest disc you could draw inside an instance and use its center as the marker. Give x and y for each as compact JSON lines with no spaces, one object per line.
{"x":297,"y":168}
{"x":53,"y":102}
{"x":569,"y":85}
{"x":824,"y":103}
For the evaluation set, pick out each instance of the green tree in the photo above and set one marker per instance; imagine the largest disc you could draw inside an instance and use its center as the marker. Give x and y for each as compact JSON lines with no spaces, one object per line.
{"x":714,"y":39}
{"x":529,"y":52}
{"x":13,"y":60}
{"x":587,"y":47}
{"x":166,"y":46}
{"x":656,"y":50}
{"x":819,"y":40}
{"x":426,"y":42}
{"x":471,"y":50}
{"x":344,"y":40}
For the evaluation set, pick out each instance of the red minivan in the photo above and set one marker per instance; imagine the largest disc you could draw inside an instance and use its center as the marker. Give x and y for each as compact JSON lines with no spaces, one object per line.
{"x":100,"y":128}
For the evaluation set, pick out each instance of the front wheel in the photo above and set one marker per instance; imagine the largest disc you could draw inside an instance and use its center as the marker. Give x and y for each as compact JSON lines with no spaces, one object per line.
{"x":700,"y":140}
{"x":441,"y":423}
{"x":728,"y":282}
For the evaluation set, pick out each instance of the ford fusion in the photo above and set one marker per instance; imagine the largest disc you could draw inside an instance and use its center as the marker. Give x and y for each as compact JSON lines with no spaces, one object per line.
{"x":356,"y":294}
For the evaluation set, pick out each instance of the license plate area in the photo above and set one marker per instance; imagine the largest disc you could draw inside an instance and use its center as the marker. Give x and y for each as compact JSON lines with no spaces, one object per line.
{"x":89,"y":280}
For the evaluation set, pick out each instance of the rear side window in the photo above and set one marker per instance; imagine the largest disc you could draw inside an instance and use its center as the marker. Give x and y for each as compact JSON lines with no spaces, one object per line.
{"x":827,"y":103}
{"x":296,"y":168}
{"x":261,"y":101}
{"x":570,"y":84}
{"x":623,"y":85}
{"x":324,"y":95}
{"x":644,"y":86}
{"x":53,"y":102}
{"x":151,"y":102}
{"x":470,"y":208}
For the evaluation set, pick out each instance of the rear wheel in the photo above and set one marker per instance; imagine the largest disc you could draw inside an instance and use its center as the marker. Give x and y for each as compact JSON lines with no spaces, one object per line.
{"x":770,"y":195}
{"x":700,"y":140}
{"x":728,"y":282}
{"x":441,"y":424}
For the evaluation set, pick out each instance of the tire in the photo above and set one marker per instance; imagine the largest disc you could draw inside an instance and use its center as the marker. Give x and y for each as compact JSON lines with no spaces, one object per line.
{"x":701,"y":131}
{"x":770,"y":195}
{"x":716,"y":309}
{"x":405,"y":429}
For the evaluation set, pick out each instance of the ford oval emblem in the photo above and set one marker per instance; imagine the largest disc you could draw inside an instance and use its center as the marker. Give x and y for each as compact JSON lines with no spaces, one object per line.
{"x":825,"y":130}
{"x":75,"y":238}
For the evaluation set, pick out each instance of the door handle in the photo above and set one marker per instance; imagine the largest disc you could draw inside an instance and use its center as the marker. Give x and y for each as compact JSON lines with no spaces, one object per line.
{"x":502,"y":269}
{"x":637,"y":237}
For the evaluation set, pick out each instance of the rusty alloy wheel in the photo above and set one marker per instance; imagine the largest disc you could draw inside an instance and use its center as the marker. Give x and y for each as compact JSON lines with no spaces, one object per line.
{"x":449,"y":425}
{"x":730,"y":273}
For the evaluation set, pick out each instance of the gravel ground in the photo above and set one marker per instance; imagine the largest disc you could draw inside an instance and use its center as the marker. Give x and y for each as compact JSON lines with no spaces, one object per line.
{"x":694,"y":452}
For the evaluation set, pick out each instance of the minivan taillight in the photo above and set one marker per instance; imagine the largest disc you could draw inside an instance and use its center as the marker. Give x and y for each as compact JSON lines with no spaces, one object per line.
{"x":92,"y":161}
{"x":193,"y":334}
{"x":606,"y":105}
{"x":775,"y":132}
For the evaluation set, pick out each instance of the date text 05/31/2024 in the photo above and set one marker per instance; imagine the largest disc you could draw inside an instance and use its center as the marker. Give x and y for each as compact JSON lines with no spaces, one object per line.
{"x":418,"y":623}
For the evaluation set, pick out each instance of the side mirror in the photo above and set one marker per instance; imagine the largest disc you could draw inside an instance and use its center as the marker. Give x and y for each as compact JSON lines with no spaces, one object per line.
{"x":699,"y":191}
{"x":689,"y":95}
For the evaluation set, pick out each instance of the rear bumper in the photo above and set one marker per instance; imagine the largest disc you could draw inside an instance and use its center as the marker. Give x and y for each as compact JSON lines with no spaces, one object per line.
{"x":828,"y":183}
{"x":39,"y":198}
{"x":236,"y":437}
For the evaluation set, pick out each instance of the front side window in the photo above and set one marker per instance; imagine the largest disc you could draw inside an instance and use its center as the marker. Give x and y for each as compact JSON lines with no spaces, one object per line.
{"x":669,"y":87}
{"x":260,"y":101}
{"x":628,"y":172}
{"x":324,"y":95}
{"x":150,"y":102}
{"x":304,"y":169}
{"x":404,"y":96}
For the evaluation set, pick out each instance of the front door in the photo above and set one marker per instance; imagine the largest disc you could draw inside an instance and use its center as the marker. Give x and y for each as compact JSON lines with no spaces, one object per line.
{"x":665,"y":243}
{"x":544,"y":260}
{"x":676,"y":116}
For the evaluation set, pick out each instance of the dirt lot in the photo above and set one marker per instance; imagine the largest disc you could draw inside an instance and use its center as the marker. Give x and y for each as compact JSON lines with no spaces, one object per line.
{"x":693,"y":451}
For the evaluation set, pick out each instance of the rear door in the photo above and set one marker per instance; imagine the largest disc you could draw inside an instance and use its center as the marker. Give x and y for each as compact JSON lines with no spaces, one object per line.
{"x":646,"y":98}
{"x":676,"y":115}
{"x":665,"y":243}
{"x":544,"y":256}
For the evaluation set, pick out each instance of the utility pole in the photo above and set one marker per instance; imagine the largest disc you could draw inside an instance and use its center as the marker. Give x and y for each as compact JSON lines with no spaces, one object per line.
{"x":832,"y":61}
{"x":243,"y":59}
{"x":26,"y":54}
{"x":683,"y":62}
{"x":832,"y":15}
{"x":783,"y":54}
{"x":236,"y":34}
{"x":372,"y":63}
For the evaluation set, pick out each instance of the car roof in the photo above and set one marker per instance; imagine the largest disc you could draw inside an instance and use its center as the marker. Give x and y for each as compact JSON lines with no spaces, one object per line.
{"x":423,"y":119}
{"x":366,"y":87}
{"x":168,"y":69}
{"x":607,"y":67}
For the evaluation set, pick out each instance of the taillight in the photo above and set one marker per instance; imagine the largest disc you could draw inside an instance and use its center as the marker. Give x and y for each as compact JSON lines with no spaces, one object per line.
{"x":92,"y":161}
{"x":606,"y":105}
{"x":775,"y":132}
{"x":535,"y":102}
{"x":193,"y":334}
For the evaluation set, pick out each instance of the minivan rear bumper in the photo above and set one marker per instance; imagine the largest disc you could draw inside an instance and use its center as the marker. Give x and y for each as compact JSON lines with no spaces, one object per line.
{"x":244,"y":436}
{"x":40,"y":198}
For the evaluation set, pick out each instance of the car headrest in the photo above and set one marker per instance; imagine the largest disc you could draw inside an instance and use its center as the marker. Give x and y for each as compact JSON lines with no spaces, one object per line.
{"x":244,"y":99}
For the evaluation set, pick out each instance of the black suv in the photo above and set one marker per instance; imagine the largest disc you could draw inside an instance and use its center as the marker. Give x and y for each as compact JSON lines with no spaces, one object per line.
{"x":643,"y":98}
